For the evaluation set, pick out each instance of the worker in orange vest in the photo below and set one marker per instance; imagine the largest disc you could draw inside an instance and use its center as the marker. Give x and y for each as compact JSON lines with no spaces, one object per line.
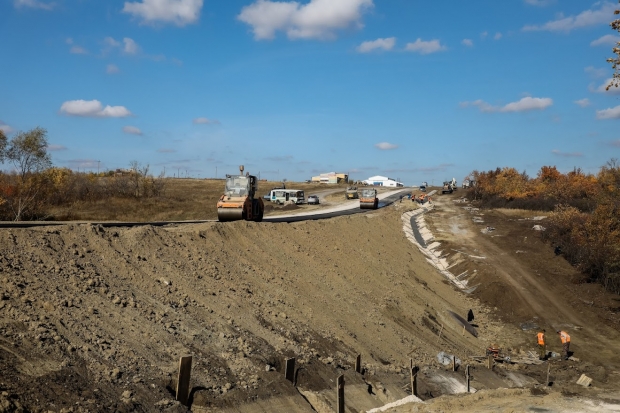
{"x":565,"y":338}
{"x":542,"y":345}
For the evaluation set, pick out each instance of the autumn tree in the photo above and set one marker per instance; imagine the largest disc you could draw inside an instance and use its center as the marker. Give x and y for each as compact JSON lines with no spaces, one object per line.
{"x":23,"y":189}
{"x":615,"y":61}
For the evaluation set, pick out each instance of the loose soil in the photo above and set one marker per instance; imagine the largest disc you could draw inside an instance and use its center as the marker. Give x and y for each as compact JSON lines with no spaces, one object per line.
{"x":95,"y":319}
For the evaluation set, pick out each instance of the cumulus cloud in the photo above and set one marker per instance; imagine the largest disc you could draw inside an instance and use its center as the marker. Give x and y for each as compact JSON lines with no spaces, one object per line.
{"x":583,"y":102}
{"x":54,"y":148}
{"x":34,"y":4}
{"x":567,"y":154}
{"x":594,"y":72}
{"x":77,"y":50}
{"x":385,"y":146}
{"x":318,"y":19}
{"x":132,"y":130}
{"x":603,"y":88}
{"x":497,"y":36}
{"x":539,"y":3}
{"x":609,"y":113}
{"x":6,"y":128}
{"x":591,"y":17}
{"x":381,"y":44}
{"x":608,"y":40}
{"x":467,"y":42}
{"x":179,"y":12}
{"x":112,"y":69}
{"x":93,"y":108}
{"x":425,"y":47}
{"x":525,"y":104}
{"x":205,"y":121}
{"x":131,"y":47}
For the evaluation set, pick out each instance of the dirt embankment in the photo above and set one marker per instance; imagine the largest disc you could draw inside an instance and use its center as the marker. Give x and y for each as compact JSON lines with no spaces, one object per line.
{"x":95,"y":319}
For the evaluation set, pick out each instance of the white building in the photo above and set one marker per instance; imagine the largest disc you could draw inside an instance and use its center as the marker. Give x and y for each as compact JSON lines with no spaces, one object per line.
{"x":383,"y":181}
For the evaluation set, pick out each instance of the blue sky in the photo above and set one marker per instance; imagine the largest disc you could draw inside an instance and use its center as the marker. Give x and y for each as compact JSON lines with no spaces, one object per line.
{"x":415,"y":90}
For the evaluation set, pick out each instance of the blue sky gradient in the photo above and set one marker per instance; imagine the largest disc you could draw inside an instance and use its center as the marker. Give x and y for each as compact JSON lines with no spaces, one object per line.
{"x":415,"y":90}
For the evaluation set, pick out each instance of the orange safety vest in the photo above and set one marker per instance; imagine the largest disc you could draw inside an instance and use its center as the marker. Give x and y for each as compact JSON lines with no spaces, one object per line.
{"x":541,"y":339}
{"x":564,"y":337}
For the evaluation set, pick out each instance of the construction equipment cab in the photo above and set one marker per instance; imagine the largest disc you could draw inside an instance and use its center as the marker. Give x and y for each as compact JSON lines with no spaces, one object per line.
{"x":368,"y":199}
{"x":351,"y":193}
{"x":447,"y":187}
{"x":238,"y":201}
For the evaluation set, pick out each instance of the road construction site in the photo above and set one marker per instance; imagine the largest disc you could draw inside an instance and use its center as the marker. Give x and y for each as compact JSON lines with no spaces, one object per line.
{"x":96,"y":318}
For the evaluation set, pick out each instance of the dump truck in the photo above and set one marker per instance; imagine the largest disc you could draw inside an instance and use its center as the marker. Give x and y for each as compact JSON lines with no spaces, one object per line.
{"x":368,"y":199}
{"x":240,"y":200}
{"x":351,"y":193}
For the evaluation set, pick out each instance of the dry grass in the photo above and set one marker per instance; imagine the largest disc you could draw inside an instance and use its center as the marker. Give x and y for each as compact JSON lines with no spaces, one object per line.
{"x":183,"y":199}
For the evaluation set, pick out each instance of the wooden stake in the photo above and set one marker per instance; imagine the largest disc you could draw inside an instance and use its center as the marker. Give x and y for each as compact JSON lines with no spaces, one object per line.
{"x":185,"y":369}
{"x":490,"y":362}
{"x":453,"y":363}
{"x":358,"y":364}
{"x":289,"y":369}
{"x":463,"y":330}
{"x":467,"y":377}
{"x":414,"y":378}
{"x":548,"y":371}
{"x":340,"y":394}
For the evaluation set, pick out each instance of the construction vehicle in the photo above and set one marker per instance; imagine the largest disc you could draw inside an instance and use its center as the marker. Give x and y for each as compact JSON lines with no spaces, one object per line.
{"x":423,"y":186}
{"x":351,"y":193}
{"x":369,"y":199}
{"x":240,"y":200}
{"x":447,"y":187}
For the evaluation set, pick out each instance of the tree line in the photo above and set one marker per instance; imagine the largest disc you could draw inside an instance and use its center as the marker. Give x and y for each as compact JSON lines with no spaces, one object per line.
{"x":585,"y":212}
{"x":33,"y":184}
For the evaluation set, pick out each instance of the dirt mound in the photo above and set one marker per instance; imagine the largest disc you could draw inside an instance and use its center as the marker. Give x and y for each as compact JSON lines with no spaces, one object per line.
{"x":95,"y":319}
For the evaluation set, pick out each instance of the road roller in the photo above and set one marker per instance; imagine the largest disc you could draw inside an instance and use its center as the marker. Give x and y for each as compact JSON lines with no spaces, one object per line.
{"x":368,"y":199}
{"x":240,"y":201}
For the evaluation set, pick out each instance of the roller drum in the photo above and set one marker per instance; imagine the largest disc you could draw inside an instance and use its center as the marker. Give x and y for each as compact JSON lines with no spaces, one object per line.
{"x":367,"y":205}
{"x":229,"y":214}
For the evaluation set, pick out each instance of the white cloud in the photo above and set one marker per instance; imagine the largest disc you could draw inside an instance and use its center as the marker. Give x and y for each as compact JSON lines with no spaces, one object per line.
{"x":467,"y":42}
{"x":110,"y":42}
{"x":112,"y":69}
{"x":484,"y":35}
{"x":603,"y":88}
{"x":54,"y":148}
{"x":608,"y":39}
{"x":590,"y":17}
{"x":381,"y":43}
{"x":6,"y":128}
{"x":179,"y":12}
{"x":425,"y":47}
{"x":77,"y":50}
{"x":594,"y":72}
{"x":318,"y":19}
{"x":539,"y":3}
{"x":131,"y":47}
{"x":525,"y":104}
{"x":567,"y":154}
{"x":132,"y":130}
{"x":609,"y":113}
{"x":583,"y":102}
{"x":166,"y":150}
{"x":497,"y":36}
{"x":93,"y":108}
{"x":34,"y":4}
{"x":205,"y":121}
{"x":385,"y":146}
